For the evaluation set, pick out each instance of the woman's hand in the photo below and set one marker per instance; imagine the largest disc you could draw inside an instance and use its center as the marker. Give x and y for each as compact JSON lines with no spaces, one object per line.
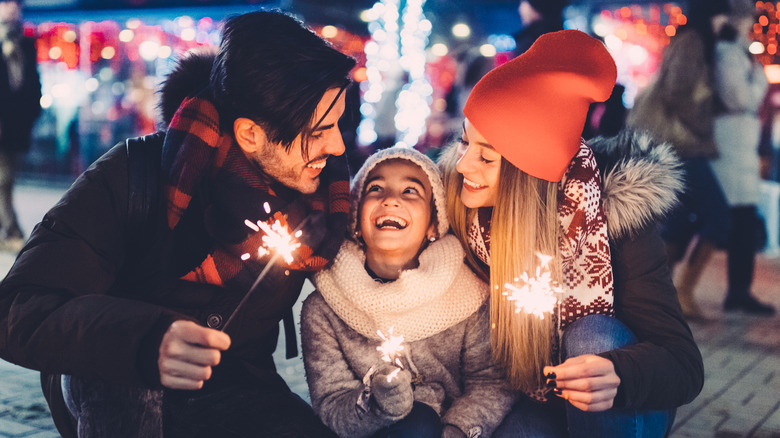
{"x":588,"y":382}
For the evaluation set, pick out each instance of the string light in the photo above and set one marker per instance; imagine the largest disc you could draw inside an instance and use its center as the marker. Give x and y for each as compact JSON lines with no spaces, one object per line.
{"x":395,"y":60}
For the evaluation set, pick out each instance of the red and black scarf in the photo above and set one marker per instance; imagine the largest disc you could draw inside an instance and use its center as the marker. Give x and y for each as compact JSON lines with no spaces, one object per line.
{"x":196,"y":154}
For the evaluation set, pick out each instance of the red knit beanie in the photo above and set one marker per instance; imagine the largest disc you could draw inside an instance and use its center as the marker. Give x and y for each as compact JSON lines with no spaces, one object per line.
{"x":532,"y":109}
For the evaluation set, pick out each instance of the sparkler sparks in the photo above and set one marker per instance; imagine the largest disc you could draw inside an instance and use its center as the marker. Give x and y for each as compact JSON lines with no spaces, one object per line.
{"x":538,"y":294}
{"x":277,"y":238}
{"x":391,"y":348}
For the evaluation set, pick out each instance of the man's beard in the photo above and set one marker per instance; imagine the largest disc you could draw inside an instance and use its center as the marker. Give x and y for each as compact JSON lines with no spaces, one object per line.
{"x":268,"y":160}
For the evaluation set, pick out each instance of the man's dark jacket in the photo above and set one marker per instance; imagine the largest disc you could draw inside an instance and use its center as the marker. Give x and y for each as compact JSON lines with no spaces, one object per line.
{"x":75,"y":303}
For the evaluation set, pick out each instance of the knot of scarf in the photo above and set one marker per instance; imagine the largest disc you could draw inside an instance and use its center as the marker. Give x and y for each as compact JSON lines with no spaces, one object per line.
{"x":196,"y":154}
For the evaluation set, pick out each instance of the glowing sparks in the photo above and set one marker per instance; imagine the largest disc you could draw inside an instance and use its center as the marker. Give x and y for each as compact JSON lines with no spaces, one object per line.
{"x":538,"y":294}
{"x":278,"y":238}
{"x":391,"y":348}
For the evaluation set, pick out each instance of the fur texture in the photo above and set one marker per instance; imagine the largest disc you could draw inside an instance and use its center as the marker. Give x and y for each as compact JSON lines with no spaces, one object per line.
{"x":642,"y":180}
{"x":189,"y":76}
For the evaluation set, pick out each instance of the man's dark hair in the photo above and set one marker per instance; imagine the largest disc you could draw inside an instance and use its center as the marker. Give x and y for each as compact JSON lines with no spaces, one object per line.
{"x":273,"y":70}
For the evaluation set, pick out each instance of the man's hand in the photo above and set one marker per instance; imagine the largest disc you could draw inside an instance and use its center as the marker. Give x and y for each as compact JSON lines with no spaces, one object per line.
{"x":588,"y":382}
{"x":187,"y":353}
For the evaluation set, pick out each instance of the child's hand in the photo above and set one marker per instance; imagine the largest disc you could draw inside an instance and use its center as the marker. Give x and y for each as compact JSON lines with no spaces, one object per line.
{"x":392,"y":390}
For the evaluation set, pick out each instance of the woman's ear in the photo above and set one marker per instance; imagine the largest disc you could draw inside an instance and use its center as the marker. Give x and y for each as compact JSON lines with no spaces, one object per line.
{"x":249,"y":135}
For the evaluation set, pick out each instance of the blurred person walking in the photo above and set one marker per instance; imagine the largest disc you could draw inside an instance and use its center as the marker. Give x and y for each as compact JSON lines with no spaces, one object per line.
{"x":741,"y":85}
{"x":678,"y":107}
{"x":20,"y":96}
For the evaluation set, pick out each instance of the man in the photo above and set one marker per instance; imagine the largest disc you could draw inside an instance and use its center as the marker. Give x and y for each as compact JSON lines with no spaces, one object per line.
{"x":251,"y":136}
{"x":20,"y":96}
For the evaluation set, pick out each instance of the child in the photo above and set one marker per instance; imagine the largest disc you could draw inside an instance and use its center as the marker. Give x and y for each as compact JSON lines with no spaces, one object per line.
{"x":401,"y":275}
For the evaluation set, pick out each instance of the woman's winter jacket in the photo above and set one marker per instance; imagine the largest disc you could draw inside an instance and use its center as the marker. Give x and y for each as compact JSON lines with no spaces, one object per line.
{"x":641,"y":182}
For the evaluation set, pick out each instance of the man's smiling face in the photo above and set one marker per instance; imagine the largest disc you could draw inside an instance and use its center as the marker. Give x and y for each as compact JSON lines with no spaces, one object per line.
{"x":289,"y":167}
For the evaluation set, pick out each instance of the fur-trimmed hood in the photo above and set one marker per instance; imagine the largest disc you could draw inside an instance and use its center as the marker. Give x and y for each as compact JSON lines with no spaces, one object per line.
{"x":642,"y":180}
{"x":189,"y":76}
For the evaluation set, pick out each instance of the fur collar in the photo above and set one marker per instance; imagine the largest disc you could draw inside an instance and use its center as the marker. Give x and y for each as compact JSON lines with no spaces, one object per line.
{"x":189,"y":76}
{"x":642,"y":180}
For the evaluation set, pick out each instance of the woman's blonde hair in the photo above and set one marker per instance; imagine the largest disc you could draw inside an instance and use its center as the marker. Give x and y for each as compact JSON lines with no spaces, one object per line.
{"x":524,"y":223}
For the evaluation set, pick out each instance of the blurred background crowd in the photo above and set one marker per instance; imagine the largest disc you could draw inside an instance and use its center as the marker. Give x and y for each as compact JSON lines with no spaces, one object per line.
{"x":100,"y":62}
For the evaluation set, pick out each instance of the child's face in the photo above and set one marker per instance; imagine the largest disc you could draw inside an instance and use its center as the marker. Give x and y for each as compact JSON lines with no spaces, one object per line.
{"x":395,"y":213}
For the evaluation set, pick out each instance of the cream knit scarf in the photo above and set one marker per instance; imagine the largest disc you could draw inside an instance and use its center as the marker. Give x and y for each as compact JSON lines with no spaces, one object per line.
{"x":424,"y":301}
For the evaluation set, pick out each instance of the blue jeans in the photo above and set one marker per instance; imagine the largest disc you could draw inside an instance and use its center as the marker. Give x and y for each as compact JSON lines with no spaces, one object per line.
{"x":422,"y":422}
{"x":591,"y":334}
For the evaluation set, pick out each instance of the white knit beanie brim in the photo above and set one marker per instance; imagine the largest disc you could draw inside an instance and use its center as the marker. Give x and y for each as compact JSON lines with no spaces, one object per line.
{"x":416,"y":157}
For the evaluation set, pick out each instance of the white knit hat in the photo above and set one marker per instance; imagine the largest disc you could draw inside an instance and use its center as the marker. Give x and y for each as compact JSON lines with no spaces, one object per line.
{"x":404,"y":153}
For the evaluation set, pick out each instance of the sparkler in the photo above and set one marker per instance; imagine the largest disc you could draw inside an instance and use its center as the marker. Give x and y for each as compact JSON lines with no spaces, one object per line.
{"x":391,"y":350}
{"x":277,"y":239}
{"x":538,"y":294}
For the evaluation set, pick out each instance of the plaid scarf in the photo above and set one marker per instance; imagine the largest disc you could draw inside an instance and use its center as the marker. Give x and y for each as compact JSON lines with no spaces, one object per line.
{"x":239,"y":192}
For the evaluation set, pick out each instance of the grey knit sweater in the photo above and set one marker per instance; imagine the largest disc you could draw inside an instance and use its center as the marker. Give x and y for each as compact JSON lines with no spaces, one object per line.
{"x":459,"y":379}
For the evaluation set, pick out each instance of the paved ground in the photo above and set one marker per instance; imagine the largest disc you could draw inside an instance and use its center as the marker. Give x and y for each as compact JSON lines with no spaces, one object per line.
{"x":741,"y":396}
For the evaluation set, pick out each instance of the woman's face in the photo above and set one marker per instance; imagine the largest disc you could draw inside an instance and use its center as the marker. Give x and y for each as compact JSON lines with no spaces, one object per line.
{"x":395,"y":212}
{"x":480,"y":166}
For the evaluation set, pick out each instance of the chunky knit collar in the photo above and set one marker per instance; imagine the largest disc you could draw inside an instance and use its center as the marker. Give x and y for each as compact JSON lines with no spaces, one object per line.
{"x":435,"y":296}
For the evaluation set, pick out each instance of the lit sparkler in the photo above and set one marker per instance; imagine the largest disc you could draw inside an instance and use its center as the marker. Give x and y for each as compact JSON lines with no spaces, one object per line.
{"x":279,"y":240}
{"x":538,"y":294}
{"x":277,"y":237}
{"x":391,"y":350}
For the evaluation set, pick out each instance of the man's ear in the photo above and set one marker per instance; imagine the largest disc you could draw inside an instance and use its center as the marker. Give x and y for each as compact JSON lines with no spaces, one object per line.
{"x":249,"y":135}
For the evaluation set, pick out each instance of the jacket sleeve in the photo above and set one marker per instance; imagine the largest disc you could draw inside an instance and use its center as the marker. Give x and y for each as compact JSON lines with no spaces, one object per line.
{"x":333,"y":386}
{"x":486,"y":397}
{"x":664,"y":369}
{"x":55,"y":312}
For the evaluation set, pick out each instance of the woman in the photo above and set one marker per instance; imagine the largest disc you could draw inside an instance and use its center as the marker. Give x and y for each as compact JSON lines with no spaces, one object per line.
{"x":522,"y":182}
{"x":740,"y":84}
{"x":679,"y":107}
{"x":401,"y":273}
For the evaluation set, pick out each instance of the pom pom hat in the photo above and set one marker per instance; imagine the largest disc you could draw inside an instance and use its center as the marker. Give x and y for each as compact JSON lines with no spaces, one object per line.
{"x":533,"y":108}
{"x":416,"y":157}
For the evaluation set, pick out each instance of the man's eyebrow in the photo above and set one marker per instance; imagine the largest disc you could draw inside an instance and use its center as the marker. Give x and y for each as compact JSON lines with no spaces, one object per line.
{"x":323,"y":127}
